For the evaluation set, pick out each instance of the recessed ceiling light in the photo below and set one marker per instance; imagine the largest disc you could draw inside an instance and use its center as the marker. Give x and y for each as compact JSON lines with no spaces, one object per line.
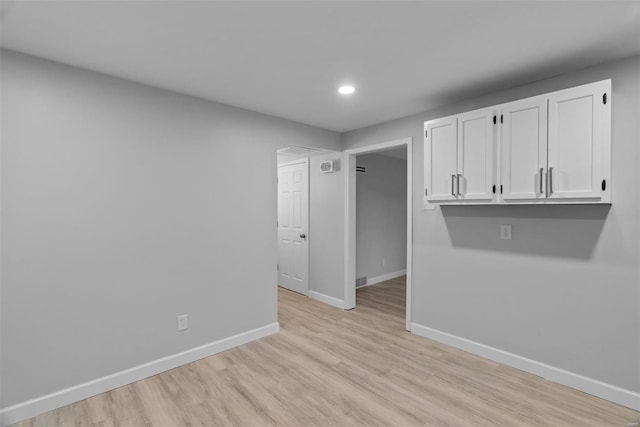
{"x":346,"y":90}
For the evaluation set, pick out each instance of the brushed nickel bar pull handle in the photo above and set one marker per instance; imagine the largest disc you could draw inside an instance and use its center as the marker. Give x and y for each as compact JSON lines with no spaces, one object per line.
{"x":550,"y":181}
{"x":453,"y":180}
{"x":541,"y":173}
{"x":458,"y":184}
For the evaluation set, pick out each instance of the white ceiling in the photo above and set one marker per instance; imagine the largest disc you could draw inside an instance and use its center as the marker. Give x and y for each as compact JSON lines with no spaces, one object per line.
{"x":287,"y":58}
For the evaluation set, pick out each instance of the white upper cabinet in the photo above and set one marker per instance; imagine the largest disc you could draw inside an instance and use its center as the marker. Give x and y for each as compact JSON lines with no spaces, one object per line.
{"x":523,"y":157}
{"x":440,"y":153}
{"x":579,"y":131}
{"x":475,"y":179}
{"x":548,"y":149}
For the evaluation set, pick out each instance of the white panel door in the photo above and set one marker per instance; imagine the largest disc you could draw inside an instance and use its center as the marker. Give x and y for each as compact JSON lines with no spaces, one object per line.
{"x":577,"y":134}
{"x":475,"y":175}
{"x":293,"y":226}
{"x":440,"y":159}
{"x":524,"y":149}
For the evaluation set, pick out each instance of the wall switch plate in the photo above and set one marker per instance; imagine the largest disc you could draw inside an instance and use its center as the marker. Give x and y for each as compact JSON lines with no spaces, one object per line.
{"x":505,"y":232}
{"x":183,"y":322}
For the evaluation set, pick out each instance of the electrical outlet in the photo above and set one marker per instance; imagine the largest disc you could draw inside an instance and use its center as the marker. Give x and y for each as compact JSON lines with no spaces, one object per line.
{"x":183,"y":322}
{"x":505,"y":232}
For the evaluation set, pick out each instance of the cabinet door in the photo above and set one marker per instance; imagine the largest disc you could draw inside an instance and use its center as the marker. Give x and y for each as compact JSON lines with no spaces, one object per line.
{"x":523,"y":156}
{"x":475,"y":155}
{"x":578,"y":124}
{"x":440,"y":159}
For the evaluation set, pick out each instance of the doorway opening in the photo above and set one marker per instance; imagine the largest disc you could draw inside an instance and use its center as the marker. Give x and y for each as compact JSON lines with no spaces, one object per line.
{"x":308,"y":207}
{"x":381,"y":231}
{"x":384,"y":225}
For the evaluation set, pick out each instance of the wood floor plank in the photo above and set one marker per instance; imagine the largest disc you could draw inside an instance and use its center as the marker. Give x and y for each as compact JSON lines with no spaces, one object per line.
{"x":331,"y":367}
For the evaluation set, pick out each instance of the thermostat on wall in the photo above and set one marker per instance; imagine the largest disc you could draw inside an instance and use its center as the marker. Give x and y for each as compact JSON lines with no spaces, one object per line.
{"x":327,"y":166}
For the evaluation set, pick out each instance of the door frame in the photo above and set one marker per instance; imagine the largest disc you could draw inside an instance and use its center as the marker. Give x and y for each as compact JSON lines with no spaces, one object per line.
{"x":291,"y":163}
{"x":350,"y":219}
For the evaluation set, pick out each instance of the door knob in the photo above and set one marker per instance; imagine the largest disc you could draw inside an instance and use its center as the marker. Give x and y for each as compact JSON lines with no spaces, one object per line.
{"x":303,"y":236}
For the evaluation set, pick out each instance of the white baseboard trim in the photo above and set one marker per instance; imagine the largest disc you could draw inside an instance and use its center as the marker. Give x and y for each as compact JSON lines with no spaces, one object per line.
{"x":40,"y":405}
{"x":326,"y":299}
{"x":383,"y":278}
{"x":591,"y":386}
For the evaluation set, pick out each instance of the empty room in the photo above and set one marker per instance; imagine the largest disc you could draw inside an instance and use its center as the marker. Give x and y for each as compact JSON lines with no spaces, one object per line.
{"x":319,"y":213}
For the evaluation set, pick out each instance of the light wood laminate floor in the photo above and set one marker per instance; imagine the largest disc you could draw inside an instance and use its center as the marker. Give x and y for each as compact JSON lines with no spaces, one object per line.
{"x":330,"y":367}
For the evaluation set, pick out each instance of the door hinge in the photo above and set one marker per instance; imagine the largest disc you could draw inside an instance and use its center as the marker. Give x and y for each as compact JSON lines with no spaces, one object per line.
{"x":501,"y":118}
{"x":604,"y":98}
{"x":500,"y":188}
{"x":494,"y":120}
{"x":494,"y":189}
{"x":604,"y":184}
{"x":426,"y":191}
{"x":425,"y":133}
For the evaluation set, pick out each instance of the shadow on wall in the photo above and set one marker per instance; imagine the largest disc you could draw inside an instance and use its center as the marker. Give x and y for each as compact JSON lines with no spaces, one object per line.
{"x":563,"y":231}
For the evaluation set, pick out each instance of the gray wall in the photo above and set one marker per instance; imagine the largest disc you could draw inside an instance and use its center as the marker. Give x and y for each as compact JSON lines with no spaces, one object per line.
{"x":381,"y":215}
{"x":566,"y":290}
{"x":123,"y":207}
{"x":326,"y":228}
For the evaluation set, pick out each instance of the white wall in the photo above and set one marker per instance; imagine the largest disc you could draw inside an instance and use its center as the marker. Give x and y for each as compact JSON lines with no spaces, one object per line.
{"x":326,"y":228}
{"x":123,"y":207}
{"x":381,"y":215}
{"x":566,"y":290}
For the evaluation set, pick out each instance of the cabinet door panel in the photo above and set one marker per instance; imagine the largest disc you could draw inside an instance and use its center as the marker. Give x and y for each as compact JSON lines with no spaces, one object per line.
{"x":524,"y":149}
{"x":475,"y":155}
{"x":576,"y":139}
{"x":440,"y":159}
